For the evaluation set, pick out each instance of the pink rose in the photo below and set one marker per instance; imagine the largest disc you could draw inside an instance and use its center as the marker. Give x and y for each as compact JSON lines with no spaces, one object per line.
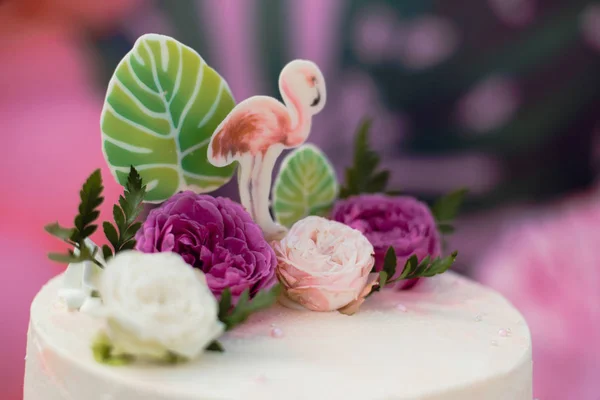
{"x":325,"y":265}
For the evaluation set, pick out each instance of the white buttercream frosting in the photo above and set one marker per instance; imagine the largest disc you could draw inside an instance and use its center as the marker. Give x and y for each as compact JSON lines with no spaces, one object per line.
{"x":448,"y":339}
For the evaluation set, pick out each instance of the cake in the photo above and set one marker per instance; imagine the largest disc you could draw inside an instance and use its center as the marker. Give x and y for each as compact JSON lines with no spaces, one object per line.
{"x":309,"y":288}
{"x":447,"y":339}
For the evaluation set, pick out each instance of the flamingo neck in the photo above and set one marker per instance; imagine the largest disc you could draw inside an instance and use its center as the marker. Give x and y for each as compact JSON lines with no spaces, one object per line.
{"x":299,"y":117}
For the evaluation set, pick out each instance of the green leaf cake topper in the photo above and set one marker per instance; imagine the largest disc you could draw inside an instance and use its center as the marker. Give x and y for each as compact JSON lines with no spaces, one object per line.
{"x":162,"y":105}
{"x":306,"y":185}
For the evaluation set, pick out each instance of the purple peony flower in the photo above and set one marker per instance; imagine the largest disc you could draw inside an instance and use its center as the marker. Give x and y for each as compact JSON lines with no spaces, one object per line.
{"x":402,"y":222}
{"x":215,"y":235}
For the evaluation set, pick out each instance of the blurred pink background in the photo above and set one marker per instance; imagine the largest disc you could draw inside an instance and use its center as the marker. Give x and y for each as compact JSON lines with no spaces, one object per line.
{"x":538,"y":247}
{"x":49,"y":109}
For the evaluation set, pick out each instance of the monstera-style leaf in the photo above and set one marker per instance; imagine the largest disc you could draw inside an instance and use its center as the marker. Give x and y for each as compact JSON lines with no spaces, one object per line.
{"x":306,"y":185}
{"x":162,"y":106}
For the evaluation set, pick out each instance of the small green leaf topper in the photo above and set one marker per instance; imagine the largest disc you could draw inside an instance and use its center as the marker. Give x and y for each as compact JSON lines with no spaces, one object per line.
{"x":121,"y":234}
{"x":306,"y":185}
{"x":162,"y":105}
{"x":413,"y":269}
{"x":363,"y":176}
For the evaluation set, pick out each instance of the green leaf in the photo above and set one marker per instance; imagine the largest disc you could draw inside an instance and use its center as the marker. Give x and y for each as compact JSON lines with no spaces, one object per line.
{"x":422,"y":267}
{"x":390,"y":262}
{"x":264,"y":299}
{"x":238,"y":314}
{"x":446,"y":229}
{"x":383,"y":278}
{"x":162,"y":105}
{"x":121,"y":235}
{"x":362,"y":176}
{"x":132,"y":230}
{"x":130,"y":245}
{"x":118,"y":216}
{"x":378,"y":182}
{"x":56,"y":230}
{"x":244,"y":307}
{"x":441,"y":265}
{"x":86,"y":254}
{"x":106,"y":252}
{"x":306,"y":184}
{"x":224,"y":303}
{"x":90,"y":198}
{"x":427,"y":268}
{"x":134,"y":194}
{"x":216,"y":346}
{"x":394,"y":192}
{"x":89,"y":230}
{"x":63,"y":258}
{"x":102,"y":349}
{"x":446,"y":208}
{"x":411,"y":264}
{"x":362,"y":150}
{"x":173,"y":358}
{"x":111,"y":233}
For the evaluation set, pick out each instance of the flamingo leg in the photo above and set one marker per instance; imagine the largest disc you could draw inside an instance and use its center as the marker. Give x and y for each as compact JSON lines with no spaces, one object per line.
{"x":255,"y":187}
{"x":261,"y":189}
{"x":268,"y":165}
{"x":244,"y":179}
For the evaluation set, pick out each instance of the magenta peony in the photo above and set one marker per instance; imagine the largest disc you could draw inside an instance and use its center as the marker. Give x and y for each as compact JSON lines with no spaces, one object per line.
{"x":325,"y":266}
{"x":215,"y":235}
{"x":549,"y":268}
{"x":401,"y":222}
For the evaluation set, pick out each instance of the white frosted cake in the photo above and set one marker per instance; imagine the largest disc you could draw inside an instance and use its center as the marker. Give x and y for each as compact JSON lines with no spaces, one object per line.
{"x":447,"y":339}
{"x":310,"y":289}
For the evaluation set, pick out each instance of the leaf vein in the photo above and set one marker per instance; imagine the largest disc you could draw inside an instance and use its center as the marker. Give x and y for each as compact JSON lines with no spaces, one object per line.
{"x":127,"y":146}
{"x":143,"y":128}
{"x":139,"y":104}
{"x":157,"y":83}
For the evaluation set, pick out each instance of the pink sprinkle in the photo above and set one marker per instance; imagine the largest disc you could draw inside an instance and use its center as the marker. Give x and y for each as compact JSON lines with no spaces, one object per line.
{"x":401,"y":307}
{"x":276,"y":332}
{"x":504,"y":332}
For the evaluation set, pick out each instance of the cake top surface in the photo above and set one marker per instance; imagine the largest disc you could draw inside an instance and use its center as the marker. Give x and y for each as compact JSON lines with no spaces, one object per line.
{"x":444,"y":336}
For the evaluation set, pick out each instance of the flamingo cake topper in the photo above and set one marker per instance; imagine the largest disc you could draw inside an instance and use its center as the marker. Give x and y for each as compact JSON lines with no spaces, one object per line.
{"x":258,"y":129}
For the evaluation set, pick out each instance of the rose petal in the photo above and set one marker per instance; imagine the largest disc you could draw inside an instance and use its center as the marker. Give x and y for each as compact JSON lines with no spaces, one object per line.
{"x":401,"y":222}
{"x":311,"y":298}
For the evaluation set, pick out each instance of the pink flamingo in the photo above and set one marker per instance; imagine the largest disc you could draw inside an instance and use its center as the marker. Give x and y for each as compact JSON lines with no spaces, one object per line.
{"x":258,"y":129}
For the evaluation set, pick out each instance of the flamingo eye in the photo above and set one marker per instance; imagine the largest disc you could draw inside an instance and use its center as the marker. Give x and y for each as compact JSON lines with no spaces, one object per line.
{"x":312,"y":81}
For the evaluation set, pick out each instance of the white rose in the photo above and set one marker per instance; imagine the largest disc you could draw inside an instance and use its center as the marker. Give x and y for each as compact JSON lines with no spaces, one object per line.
{"x":79,"y":281}
{"x":157,"y":304}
